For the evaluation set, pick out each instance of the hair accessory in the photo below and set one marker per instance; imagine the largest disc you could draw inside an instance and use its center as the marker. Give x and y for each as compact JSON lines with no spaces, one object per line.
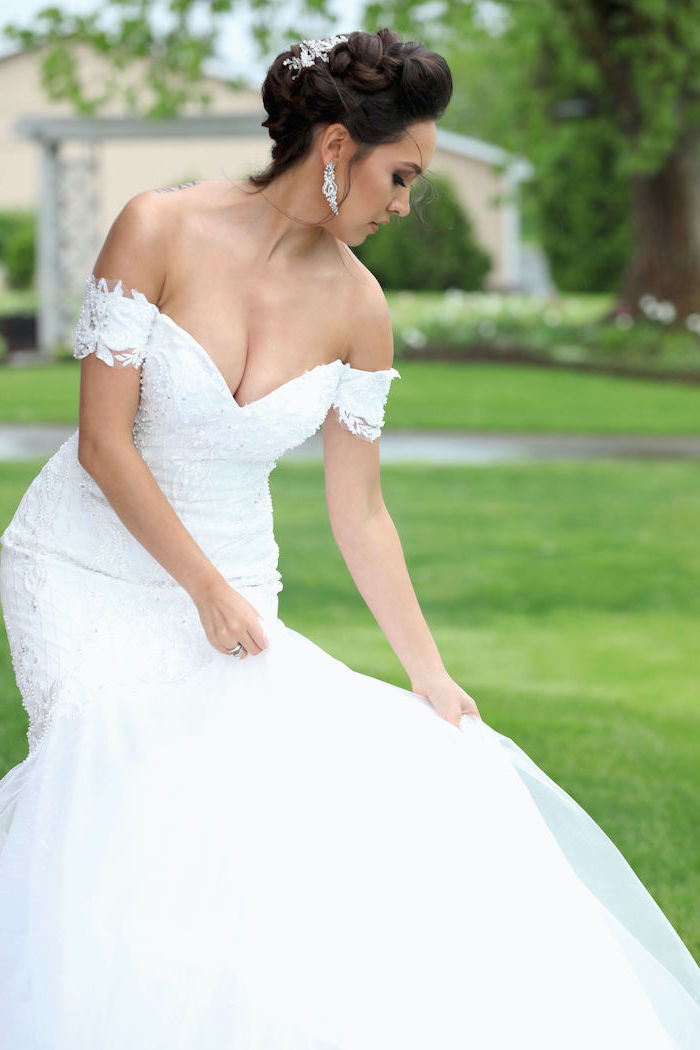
{"x":311,"y":50}
{"x":330,"y":186}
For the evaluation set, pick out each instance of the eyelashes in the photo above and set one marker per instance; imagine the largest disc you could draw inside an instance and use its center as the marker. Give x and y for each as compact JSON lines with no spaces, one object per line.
{"x":398,"y":181}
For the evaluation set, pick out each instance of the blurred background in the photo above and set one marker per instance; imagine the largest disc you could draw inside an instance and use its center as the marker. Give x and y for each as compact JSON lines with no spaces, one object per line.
{"x":541,"y":456}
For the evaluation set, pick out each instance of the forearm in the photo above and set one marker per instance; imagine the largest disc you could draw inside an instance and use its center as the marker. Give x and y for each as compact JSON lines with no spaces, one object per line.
{"x":373,"y":554}
{"x":125,"y":479}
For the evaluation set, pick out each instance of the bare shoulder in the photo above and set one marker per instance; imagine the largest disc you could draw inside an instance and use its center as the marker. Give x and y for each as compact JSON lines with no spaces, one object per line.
{"x":371,"y":343}
{"x":133,"y":251}
{"x":137,"y":248}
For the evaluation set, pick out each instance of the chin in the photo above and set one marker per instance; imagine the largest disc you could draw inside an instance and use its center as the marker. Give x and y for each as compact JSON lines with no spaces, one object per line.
{"x":352,"y":240}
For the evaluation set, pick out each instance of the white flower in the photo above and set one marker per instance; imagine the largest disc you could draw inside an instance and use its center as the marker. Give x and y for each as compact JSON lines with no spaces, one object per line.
{"x":692,"y":323}
{"x":665,"y":312}
{"x":413,"y":337}
{"x":657,"y":309}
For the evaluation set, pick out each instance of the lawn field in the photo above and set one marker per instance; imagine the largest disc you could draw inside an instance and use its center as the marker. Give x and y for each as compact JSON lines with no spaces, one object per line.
{"x":564,"y":597}
{"x":434,"y":395}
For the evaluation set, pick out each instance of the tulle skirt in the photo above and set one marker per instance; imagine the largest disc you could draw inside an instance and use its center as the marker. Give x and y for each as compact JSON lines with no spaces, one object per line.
{"x":281,"y":853}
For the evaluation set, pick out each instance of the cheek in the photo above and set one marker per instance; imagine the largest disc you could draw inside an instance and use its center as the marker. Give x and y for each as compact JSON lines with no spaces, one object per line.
{"x":370,"y":187}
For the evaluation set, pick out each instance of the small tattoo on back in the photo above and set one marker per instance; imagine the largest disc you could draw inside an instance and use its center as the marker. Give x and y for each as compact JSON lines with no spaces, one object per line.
{"x":179,"y":186}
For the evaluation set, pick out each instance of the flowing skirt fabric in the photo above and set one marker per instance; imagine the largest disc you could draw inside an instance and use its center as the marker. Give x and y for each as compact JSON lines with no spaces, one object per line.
{"x":281,"y":853}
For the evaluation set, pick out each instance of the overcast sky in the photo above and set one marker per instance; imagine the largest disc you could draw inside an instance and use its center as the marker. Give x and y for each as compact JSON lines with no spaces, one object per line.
{"x":235,"y":46}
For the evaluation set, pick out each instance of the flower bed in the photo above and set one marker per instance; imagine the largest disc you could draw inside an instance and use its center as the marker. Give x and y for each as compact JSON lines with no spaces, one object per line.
{"x":584,"y":332}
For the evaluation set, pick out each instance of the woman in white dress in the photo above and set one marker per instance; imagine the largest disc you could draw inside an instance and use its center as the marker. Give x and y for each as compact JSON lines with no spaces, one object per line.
{"x":222,"y":838}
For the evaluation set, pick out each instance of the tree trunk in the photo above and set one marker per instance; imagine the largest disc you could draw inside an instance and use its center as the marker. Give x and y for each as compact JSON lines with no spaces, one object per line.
{"x":665,"y":206}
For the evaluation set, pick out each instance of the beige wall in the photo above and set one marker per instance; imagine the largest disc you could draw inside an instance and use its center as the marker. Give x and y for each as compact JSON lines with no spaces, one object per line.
{"x":126,"y":167}
{"x":477,"y":186}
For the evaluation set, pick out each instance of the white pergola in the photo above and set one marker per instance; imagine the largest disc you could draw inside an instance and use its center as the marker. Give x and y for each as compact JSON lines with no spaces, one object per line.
{"x":67,"y":239}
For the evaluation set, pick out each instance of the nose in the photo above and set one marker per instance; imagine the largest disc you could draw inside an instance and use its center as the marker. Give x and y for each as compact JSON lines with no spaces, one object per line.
{"x":400,"y":205}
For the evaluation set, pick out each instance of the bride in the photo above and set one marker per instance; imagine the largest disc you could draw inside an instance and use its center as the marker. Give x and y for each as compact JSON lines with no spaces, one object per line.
{"x":222,"y":838}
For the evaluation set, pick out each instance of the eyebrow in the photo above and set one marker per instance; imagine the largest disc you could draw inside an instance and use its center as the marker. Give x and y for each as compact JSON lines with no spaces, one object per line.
{"x":410,"y":164}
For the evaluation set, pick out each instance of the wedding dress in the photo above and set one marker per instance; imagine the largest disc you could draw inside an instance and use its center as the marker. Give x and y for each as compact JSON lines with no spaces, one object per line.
{"x":280,"y":853}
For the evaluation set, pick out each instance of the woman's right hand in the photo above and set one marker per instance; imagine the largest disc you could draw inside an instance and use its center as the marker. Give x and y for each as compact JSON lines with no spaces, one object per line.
{"x":229,"y":619}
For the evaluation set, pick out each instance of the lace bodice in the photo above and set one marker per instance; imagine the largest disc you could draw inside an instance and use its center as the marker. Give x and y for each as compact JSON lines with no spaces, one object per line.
{"x":211,"y":456}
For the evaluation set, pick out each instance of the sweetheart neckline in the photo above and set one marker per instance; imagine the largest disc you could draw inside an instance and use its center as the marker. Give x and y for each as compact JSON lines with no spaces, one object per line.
{"x":101,"y":282}
{"x":222,"y":379}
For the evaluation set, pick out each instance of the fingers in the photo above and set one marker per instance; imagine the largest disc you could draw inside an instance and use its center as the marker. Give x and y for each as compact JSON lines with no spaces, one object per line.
{"x":453,"y":719}
{"x":256,"y":640}
{"x":251,"y":645}
{"x":252,"y":638}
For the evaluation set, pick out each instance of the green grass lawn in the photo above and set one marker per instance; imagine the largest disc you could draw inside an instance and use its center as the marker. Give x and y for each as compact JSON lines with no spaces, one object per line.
{"x":436,"y":394}
{"x":564,"y":598}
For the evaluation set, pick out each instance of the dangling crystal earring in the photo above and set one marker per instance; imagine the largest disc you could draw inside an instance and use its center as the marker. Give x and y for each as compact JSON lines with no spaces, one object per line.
{"x":330,"y":186}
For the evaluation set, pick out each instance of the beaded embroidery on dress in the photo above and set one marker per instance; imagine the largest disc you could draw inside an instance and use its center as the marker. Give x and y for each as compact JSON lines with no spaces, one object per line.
{"x":282,"y":853}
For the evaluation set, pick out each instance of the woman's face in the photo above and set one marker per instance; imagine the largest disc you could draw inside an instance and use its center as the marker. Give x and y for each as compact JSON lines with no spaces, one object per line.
{"x":380,"y":182}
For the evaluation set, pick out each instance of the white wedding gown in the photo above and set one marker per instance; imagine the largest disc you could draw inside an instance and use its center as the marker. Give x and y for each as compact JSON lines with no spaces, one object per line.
{"x":280,"y":853}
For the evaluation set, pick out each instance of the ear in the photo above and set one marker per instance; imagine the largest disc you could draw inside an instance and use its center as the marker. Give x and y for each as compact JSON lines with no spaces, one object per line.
{"x":335,"y":139}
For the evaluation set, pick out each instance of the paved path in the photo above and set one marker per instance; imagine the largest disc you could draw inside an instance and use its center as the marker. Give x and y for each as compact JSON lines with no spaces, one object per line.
{"x":35,"y":441}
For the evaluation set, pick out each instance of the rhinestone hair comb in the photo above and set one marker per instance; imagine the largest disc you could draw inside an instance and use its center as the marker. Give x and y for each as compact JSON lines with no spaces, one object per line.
{"x":311,"y":50}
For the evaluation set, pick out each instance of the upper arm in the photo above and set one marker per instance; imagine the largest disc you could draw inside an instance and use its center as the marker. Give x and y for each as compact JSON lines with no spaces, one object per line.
{"x":133,"y":253}
{"x":350,"y":447}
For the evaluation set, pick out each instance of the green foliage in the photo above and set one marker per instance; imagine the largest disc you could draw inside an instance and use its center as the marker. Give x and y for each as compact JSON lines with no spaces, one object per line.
{"x":17,"y":247}
{"x":10,"y":221}
{"x":20,"y":257}
{"x":172,"y":41}
{"x":434,"y":254}
{"x":582,"y":203}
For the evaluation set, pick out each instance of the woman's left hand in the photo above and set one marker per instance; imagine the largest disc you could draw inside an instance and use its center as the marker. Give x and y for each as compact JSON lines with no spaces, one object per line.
{"x":449,"y":699}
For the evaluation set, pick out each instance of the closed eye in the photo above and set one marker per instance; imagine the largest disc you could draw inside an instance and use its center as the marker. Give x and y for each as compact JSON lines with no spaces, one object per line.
{"x":398,"y":180}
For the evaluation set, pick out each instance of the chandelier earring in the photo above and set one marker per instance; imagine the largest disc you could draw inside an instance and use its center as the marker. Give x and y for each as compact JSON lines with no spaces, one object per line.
{"x":330,"y":186}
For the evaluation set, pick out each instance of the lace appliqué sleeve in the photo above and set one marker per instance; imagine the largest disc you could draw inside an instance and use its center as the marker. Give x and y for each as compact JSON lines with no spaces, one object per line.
{"x":360,"y":399}
{"x":114,"y":324}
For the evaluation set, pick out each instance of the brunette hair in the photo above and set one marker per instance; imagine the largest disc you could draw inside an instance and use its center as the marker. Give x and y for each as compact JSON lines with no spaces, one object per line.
{"x":373,"y":83}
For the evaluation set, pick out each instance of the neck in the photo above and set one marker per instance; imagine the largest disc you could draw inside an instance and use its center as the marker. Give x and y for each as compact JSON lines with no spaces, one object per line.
{"x":290,"y":212}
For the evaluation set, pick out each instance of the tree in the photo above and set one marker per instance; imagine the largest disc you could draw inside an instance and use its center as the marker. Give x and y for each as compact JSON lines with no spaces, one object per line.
{"x":632,"y":66}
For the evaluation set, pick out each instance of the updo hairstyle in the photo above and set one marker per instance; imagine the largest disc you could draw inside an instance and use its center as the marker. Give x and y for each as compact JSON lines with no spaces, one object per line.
{"x":373,"y":83}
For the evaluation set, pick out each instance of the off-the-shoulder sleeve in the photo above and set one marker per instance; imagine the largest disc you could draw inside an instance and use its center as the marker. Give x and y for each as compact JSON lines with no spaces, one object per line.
{"x":360,"y":398}
{"x":114,"y":324}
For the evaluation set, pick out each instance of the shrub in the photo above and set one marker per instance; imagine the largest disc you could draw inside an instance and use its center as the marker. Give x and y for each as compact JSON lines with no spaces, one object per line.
{"x":17,"y":247}
{"x":434,"y":255}
{"x":582,"y":208}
